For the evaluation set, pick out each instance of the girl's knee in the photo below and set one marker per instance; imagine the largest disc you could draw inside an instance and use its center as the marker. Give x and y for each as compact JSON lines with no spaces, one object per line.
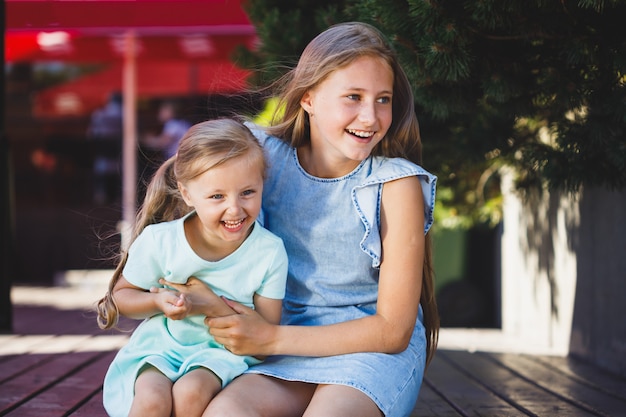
{"x":153,"y":394}
{"x":192,"y":392}
{"x":152,"y":403}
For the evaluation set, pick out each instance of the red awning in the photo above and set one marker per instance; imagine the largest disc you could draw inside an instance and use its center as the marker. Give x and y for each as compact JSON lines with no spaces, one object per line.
{"x":68,"y":46}
{"x":164,"y":79}
{"x":182,"y":47}
{"x":109,"y":16}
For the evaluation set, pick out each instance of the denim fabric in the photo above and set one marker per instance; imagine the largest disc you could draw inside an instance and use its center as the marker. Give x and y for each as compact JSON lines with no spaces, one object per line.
{"x":330,"y":228}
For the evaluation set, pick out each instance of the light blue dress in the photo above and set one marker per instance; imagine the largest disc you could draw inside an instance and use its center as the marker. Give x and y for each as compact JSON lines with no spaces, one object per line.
{"x":331,"y":230}
{"x":258,"y":266}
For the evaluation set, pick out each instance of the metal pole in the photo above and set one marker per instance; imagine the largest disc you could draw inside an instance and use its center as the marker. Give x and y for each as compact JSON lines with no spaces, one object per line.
{"x":129,"y":147}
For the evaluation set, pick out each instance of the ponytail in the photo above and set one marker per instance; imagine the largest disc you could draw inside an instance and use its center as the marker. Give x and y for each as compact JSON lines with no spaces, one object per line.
{"x":163,"y":202}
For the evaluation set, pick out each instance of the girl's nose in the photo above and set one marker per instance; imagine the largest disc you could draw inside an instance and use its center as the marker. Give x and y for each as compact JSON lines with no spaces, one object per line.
{"x":234,"y":207}
{"x":367,"y":113}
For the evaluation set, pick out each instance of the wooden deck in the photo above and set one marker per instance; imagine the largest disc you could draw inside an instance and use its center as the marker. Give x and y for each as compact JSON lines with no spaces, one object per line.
{"x":54,"y":364}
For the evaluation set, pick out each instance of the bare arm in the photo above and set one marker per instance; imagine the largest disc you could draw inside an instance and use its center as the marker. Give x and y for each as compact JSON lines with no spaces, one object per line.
{"x":269,"y":308}
{"x":389,"y":330}
{"x":206,"y":302}
{"x":137,"y":303}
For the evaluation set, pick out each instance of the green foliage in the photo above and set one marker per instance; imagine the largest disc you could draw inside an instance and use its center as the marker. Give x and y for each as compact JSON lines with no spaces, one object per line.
{"x":538,"y":85}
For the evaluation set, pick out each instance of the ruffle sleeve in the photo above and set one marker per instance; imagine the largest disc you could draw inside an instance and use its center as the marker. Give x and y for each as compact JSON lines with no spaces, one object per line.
{"x":367,"y":197}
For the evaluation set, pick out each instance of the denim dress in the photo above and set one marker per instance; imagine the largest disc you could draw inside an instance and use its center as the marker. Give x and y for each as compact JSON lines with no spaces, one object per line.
{"x":331,"y":231}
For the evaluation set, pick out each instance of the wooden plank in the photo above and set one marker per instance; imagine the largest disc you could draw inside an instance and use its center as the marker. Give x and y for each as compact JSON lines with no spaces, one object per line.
{"x":40,"y":320}
{"x":506,"y":384}
{"x":32,"y":320}
{"x":20,"y":389}
{"x":92,"y":408}
{"x":587,"y":373}
{"x":572,"y":390}
{"x":430,"y":403}
{"x":23,"y":344}
{"x":70,"y":392}
{"x":13,"y":365}
{"x":466,"y":395}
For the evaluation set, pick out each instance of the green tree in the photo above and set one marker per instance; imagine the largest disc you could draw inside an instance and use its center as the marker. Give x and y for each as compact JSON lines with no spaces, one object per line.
{"x":539,"y":85}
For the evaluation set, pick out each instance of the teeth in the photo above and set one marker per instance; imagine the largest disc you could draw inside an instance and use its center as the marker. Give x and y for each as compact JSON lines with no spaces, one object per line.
{"x":232,"y":224}
{"x":361,"y":133}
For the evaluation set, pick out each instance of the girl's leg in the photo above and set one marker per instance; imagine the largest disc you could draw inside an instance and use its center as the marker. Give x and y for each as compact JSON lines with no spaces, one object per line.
{"x":253,"y":395}
{"x":153,"y":394}
{"x":341,"y":401}
{"x":193,"y":391}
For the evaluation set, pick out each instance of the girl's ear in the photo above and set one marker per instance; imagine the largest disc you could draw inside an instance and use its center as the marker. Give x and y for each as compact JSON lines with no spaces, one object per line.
{"x":306,"y":102}
{"x":184,"y":193}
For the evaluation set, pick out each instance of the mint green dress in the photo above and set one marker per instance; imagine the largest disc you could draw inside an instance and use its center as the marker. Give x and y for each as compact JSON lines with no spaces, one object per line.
{"x":174,"y":347}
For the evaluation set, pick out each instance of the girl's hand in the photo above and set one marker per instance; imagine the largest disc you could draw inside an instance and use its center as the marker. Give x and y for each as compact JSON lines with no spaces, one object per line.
{"x":203,"y":300}
{"x":174,"y":306}
{"x":244,"y":333}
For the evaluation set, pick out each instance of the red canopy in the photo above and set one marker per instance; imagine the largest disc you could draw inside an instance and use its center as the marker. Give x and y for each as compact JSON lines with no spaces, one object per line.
{"x":135,"y":34}
{"x":182,"y":46}
{"x":109,"y":16}
{"x":163,"y":79}
{"x":71,"y":46}
{"x":93,"y":30}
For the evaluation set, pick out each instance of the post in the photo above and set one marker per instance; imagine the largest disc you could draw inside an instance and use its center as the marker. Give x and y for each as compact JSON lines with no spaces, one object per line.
{"x":6,"y":190}
{"x":129,"y":147}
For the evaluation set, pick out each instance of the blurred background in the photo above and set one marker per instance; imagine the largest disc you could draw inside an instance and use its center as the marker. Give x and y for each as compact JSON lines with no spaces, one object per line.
{"x":522,"y":108}
{"x":68,"y":91}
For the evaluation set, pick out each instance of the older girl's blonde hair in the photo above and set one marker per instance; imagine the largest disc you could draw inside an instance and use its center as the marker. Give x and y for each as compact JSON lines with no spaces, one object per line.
{"x":335,"y":48}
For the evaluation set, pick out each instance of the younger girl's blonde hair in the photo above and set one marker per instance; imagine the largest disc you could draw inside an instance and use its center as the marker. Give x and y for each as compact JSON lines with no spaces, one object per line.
{"x":205,"y":145}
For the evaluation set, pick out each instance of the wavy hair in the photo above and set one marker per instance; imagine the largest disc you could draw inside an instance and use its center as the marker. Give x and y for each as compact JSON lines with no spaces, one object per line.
{"x":335,"y":48}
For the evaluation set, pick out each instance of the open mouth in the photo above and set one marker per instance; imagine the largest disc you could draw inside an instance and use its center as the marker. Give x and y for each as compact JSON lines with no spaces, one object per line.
{"x":361,"y":134}
{"x":233,"y":224}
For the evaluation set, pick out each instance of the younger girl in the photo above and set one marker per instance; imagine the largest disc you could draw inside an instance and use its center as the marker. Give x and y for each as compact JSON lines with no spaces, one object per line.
{"x":205,"y":201}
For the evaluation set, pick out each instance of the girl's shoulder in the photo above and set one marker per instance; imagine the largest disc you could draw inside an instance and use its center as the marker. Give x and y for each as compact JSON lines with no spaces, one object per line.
{"x":385,"y":169}
{"x":263,"y":236}
{"x":367,"y":195}
{"x":161,"y":232}
{"x":265,"y":139}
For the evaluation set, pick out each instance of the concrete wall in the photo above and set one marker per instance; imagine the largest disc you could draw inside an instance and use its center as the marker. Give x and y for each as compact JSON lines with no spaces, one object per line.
{"x":599,"y":321}
{"x":564,"y":273}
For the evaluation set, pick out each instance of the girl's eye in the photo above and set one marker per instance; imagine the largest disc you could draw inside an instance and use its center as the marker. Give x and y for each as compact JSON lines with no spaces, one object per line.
{"x":354,"y":97}
{"x":248,"y":192}
{"x":384,"y":100}
{"x":216,"y":196}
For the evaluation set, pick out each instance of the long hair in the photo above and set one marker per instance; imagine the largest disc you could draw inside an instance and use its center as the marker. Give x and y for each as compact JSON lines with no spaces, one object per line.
{"x":335,"y":48}
{"x":205,"y":145}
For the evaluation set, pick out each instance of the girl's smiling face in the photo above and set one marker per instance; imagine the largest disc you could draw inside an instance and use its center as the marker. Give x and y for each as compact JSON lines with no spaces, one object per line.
{"x":227,"y":200}
{"x":349,"y":112}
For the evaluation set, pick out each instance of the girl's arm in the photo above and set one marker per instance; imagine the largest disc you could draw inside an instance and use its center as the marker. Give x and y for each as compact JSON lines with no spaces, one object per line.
{"x":206,"y":302}
{"x":400,"y":282}
{"x":137,"y":303}
{"x":269,"y":308}
{"x":203,"y":300}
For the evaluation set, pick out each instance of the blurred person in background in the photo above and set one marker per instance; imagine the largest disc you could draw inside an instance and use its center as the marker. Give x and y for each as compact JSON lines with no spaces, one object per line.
{"x":174,"y":127}
{"x":105,"y":130}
